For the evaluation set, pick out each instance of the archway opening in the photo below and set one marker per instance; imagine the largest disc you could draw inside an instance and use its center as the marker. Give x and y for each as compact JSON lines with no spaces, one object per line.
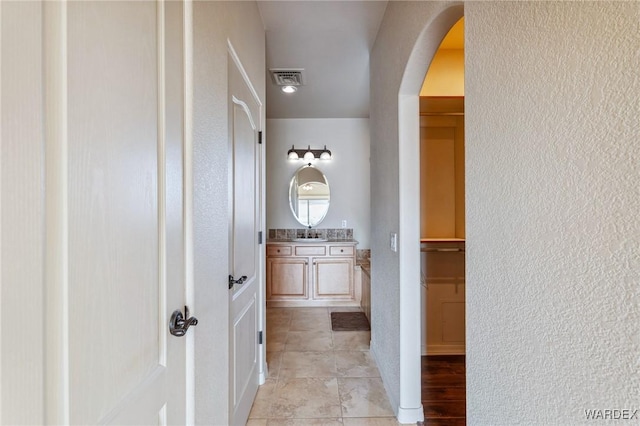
{"x":442,"y":231}
{"x":442,"y":197}
{"x":409,"y":204}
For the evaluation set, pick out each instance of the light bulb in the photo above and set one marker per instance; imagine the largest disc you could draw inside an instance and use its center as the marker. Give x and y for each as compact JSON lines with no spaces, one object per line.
{"x":289,"y":89}
{"x":308,"y":156}
{"x":292,"y":154}
{"x":326,"y":154}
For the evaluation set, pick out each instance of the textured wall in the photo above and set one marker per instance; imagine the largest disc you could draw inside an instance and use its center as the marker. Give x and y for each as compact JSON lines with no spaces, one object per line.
{"x":400,"y":28}
{"x":347,"y":172}
{"x":214,"y":22}
{"x":553,"y":195}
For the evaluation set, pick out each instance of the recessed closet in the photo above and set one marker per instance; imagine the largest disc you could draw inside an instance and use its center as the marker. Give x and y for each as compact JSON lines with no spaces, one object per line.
{"x":442,"y":200}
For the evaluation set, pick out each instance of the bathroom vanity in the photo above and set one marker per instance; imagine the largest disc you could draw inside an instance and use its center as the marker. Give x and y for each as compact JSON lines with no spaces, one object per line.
{"x":311,"y":273}
{"x":309,"y":266}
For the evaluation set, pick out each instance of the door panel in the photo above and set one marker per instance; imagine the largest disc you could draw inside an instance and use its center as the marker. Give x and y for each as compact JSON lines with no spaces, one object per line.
{"x":244,"y":117}
{"x":121,"y":224}
{"x":244,"y":186}
{"x":244,"y":337}
{"x":22,"y":207}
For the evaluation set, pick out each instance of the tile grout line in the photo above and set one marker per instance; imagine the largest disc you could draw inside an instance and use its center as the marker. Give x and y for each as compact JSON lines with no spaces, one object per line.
{"x":335,"y":362}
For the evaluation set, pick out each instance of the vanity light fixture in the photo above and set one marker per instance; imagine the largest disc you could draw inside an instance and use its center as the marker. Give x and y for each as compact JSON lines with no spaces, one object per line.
{"x":309,"y":154}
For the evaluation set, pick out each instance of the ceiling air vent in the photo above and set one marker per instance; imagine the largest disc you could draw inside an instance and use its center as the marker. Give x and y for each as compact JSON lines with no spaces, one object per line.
{"x":287,"y":76}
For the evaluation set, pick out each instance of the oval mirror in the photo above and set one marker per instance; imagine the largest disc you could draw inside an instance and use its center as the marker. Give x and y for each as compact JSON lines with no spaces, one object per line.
{"x":309,"y":196}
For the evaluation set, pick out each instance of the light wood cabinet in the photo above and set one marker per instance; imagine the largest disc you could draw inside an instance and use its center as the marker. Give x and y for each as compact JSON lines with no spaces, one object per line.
{"x":365,"y":303}
{"x":333,"y":278}
{"x":311,"y":274}
{"x":287,"y":278}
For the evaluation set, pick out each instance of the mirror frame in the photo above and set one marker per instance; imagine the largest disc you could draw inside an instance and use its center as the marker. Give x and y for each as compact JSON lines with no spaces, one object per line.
{"x":294,"y":184}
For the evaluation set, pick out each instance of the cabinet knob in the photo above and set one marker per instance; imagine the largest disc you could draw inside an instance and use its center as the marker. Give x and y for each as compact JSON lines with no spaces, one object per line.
{"x":278,"y":250}
{"x":341,"y":250}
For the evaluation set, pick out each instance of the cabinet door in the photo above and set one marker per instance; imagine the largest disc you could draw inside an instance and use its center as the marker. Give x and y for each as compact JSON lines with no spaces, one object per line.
{"x":445,"y":318}
{"x":287,"y":278}
{"x":333,"y":278}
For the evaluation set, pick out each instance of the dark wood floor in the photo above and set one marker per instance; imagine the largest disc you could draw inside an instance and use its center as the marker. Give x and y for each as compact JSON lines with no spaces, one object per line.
{"x":444,"y":390}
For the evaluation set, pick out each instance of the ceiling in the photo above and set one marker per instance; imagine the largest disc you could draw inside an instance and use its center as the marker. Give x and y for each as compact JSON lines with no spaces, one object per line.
{"x":331,"y":40}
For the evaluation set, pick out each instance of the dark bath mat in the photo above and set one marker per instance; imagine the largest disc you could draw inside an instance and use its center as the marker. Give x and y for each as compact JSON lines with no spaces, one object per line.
{"x":349,"y":321}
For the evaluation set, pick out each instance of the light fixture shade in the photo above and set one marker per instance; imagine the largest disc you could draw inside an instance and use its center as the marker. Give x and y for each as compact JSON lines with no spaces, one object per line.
{"x":308,"y":156}
{"x":326,"y":154}
{"x":292,"y":154}
{"x":289,"y":89}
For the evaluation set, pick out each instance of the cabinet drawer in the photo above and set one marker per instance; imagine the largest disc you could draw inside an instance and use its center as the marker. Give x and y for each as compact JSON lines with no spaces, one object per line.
{"x":341,"y":250}
{"x":311,"y":250}
{"x":279,"y":251}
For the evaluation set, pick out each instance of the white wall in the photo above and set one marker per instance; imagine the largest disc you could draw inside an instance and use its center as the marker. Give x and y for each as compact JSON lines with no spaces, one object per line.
{"x":553,"y":168}
{"x":214,"y":23}
{"x":347,"y":172}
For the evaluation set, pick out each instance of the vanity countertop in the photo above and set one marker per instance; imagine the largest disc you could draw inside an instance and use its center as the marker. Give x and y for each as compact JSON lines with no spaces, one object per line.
{"x":365,"y":264}
{"x":311,"y":241}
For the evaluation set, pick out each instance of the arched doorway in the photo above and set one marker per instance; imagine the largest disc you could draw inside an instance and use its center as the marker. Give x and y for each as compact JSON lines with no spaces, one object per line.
{"x":423,"y":51}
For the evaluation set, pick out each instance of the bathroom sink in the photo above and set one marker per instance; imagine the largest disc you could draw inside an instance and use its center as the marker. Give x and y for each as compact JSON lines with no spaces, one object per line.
{"x":310,"y":240}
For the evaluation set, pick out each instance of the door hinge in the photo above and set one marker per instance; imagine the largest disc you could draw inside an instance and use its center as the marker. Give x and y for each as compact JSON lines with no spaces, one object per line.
{"x":260,"y":137}
{"x":260,"y":237}
{"x":259,"y":337}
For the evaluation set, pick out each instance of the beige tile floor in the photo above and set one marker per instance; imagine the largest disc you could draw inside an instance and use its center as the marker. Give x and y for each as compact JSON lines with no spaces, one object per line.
{"x":318,"y":376}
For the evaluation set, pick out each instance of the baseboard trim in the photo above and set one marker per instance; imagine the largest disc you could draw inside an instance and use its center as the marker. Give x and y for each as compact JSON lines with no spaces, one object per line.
{"x":262,"y":376}
{"x":410,"y":415}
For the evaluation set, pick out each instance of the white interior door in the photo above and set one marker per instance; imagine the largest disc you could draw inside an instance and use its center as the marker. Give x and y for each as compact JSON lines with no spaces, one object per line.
{"x":244,"y":117}
{"x":22,"y":315}
{"x":115,"y":114}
